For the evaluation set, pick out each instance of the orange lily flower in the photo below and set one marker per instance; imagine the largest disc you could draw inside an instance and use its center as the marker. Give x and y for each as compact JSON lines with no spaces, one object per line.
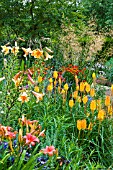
{"x":39,"y":96}
{"x":37,"y":53}
{"x":23,"y":97}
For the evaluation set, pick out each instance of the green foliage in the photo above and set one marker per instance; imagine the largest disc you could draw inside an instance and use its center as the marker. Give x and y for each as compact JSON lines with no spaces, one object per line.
{"x":109,"y":70}
{"x":100,"y":11}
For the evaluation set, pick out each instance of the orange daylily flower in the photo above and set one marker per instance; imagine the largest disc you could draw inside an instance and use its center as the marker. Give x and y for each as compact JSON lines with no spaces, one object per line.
{"x":98,"y":104}
{"x":110,"y":110}
{"x":17,"y":75}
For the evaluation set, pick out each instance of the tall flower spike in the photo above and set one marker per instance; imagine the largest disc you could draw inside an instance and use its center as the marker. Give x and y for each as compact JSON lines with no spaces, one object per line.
{"x":101,"y":115}
{"x":93,"y":105}
{"x":50,"y":87}
{"x":82,"y":86}
{"x":75,"y":94}
{"x":112,"y":89}
{"x":71,"y":103}
{"x":81,"y":124}
{"x":87,"y":88}
{"x":107,"y":101}
{"x":85,"y":99}
{"x":92,"y":92}
{"x":55,"y":74}
{"x":66,"y":87}
{"x":39,"y":79}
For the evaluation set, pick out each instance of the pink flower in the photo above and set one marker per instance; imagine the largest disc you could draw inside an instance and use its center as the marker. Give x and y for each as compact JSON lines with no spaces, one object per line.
{"x":30,"y":139}
{"x":50,"y":150}
{"x":10,"y":135}
{"x":39,"y":96}
{"x":30,"y":79}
